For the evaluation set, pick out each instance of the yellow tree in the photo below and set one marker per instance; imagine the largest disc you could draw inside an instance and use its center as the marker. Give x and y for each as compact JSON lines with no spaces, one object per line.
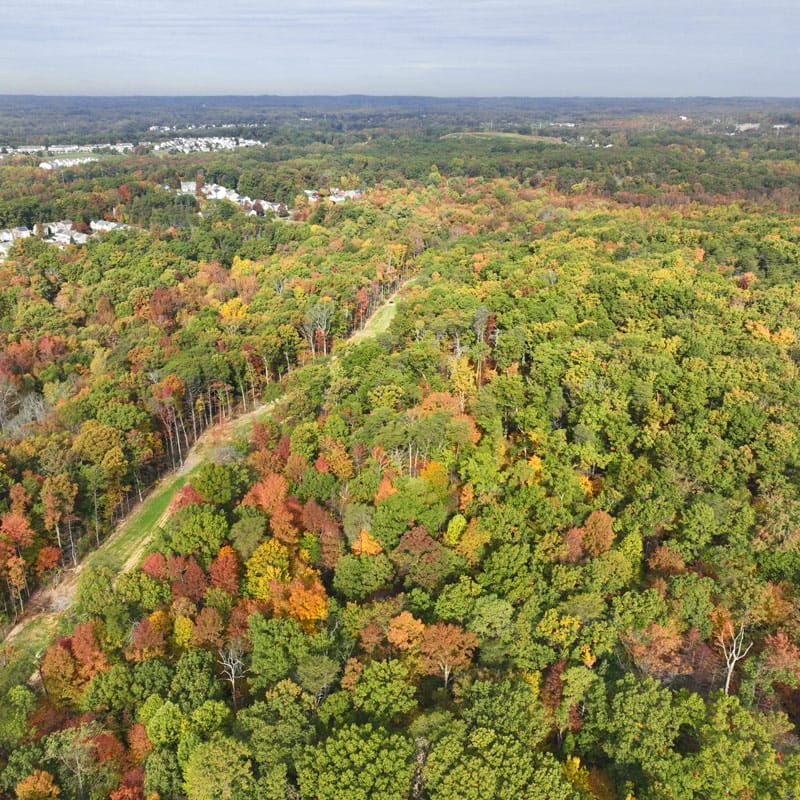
{"x":269,"y":565}
{"x":39,"y":785}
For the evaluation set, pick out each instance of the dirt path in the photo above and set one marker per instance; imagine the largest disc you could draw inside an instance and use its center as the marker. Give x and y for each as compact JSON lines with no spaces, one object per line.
{"x":47,"y":604}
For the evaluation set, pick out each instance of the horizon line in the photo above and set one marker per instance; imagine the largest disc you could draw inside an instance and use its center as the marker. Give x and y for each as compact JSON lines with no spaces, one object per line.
{"x":361,"y":95}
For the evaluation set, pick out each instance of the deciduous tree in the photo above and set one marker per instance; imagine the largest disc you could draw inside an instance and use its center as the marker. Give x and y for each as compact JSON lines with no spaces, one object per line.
{"x":446,"y":648}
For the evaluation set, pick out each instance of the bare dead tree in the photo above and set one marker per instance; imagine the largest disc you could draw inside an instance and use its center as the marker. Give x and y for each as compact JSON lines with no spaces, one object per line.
{"x":418,"y":781}
{"x":317,"y":325}
{"x":9,"y":400}
{"x":231,"y":660}
{"x":732,"y":646}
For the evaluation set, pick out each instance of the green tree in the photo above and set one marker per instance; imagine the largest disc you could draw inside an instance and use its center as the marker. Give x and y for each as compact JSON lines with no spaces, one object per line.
{"x":415,"y":502}
{"x":509,"y":706}
{"x":316,"y":672}
{"x":195,"y":680}
{"x":639,"y":728}
{"x":197,"y":530}
{"x":162,"y":774}
{"x":484,"y":763}
{"x":384,"y":691}
{"x":358,"y":762}
{"x":358,"y":577}
{"x":736,"y":756}
{"x":110,"y":691}
{"x":21,"y":762}
{"x":278,"y":645}
{"x":220,"y":769}
{"x":221,"y":484}
{"x":165,"y":726}
{"x":17,"y":705}
{"x":278,"y":728}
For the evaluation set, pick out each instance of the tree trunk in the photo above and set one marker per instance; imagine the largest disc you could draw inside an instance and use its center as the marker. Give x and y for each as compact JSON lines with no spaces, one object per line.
{"x":72,"y":544}
{"x":96,"y":520}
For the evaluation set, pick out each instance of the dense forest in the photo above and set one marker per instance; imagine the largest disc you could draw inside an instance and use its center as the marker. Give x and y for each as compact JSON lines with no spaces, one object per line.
{"x":536,"y":539}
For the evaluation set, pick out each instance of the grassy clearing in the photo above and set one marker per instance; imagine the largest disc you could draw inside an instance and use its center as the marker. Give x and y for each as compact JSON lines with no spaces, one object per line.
{"x":122,"y":551}
{"x":378,"y":323}
{"x":128,"y":543}
{"x":516,"y":137}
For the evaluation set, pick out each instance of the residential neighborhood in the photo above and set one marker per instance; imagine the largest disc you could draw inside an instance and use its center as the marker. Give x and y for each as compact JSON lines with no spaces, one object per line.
{"x":63,"y":232}
{"x":60,"y":233}
{"x":214,"y":191}
{"x":334,"y":195}
{"x":179,"y":144}
{"x":202,"y":144}
{"x":66,"y":149}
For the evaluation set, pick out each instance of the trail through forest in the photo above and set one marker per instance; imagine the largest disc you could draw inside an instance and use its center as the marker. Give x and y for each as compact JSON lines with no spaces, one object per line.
{"x":124,"y":547}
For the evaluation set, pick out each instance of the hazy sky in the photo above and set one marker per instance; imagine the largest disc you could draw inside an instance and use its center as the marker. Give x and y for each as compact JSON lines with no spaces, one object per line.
{"x":431,"y":47}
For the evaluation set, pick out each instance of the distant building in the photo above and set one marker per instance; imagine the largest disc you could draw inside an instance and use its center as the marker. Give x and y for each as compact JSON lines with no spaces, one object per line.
{"x":55,"y":163}
{"x":104,"y":225}
{"x":339,"y":196}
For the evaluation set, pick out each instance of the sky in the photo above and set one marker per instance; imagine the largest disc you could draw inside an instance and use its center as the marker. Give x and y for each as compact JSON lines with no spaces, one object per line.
{"x":457,"y":48}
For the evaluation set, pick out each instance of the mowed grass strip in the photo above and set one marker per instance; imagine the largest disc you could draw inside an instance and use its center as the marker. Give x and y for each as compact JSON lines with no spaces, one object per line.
{"x":378,"y":323}
{"x":21,"y":658}
{"x":528,"y":138}
{"x":137,"y":530}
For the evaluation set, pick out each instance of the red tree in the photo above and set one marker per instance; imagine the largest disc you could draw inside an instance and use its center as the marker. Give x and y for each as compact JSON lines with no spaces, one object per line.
{"x":188,"y":578}
{"x":224,"y":571}
{"x":146,"y":642}
{"x":155,"y":565}
{"x":46,"y":559}
{"x":598,"y":533}
{"x":317,"y":520}
{"x":186,"y":496}
{"x":207,"y":631}
{"x":16,"y":529}
{"x":445,"y":648}
{"x":59,"y":674}
{"x":268,"y":493}
{"x":88,"y":655}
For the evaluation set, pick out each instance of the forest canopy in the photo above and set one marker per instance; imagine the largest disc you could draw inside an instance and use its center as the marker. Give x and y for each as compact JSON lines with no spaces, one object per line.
{"x":517,"y":514}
